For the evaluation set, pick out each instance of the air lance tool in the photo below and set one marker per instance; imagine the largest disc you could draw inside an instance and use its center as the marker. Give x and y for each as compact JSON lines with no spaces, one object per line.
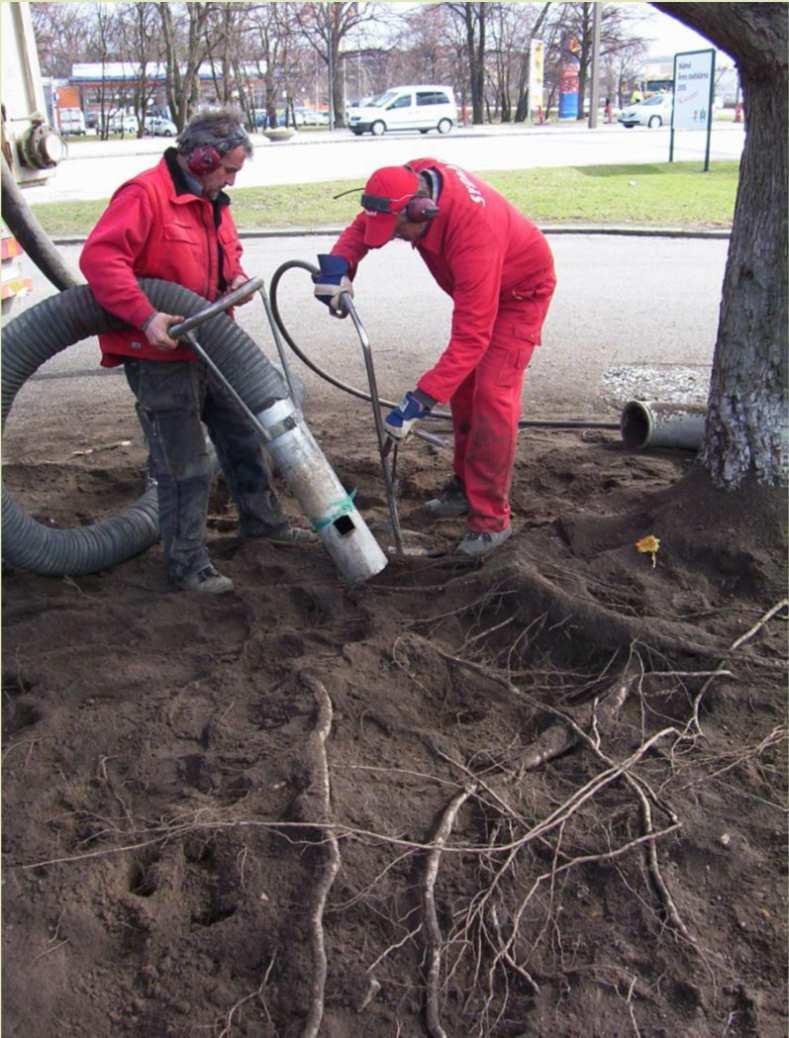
{"x":387,"y":455}
{"x":296,"y":455}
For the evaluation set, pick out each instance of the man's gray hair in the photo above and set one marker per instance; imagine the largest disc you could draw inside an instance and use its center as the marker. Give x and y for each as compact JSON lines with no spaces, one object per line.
{"x":219,"y":128}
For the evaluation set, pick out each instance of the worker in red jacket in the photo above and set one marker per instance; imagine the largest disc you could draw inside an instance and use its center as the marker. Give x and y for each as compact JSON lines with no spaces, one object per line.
{"x":498,"y":269}
{"x":173,"y":222}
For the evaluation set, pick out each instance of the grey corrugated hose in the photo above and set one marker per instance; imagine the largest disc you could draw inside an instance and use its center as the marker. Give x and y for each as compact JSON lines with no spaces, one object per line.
{"x":52,"y":326}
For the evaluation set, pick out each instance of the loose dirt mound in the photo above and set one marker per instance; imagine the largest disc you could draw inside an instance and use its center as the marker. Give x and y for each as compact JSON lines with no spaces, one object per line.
{"x":544,"y":809}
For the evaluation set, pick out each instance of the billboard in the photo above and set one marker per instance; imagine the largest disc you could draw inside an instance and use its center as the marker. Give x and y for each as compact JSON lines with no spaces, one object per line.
{"x":694,"y":73}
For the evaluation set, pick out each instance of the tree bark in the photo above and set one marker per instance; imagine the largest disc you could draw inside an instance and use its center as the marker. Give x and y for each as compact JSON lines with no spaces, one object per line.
{"x":746,"y":431}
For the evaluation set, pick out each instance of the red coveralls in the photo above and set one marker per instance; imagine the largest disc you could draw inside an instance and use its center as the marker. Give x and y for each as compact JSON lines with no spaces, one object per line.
{"x":497,"y":267}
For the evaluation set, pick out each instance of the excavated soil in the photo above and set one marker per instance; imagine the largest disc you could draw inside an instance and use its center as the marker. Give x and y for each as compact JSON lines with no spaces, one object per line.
{"x":166,"y":828}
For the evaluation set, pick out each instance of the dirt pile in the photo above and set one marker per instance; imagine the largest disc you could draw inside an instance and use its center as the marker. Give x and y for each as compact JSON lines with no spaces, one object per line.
{"x":542,"y":796}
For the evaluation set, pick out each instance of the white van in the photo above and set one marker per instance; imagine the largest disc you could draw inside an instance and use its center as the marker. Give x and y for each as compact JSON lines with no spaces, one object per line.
{"x":71,"y":120}
{"x":422,"y":107}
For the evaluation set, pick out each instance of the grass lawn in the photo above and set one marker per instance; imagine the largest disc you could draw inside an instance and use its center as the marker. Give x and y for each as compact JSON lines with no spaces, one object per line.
{"x":663,"y":195}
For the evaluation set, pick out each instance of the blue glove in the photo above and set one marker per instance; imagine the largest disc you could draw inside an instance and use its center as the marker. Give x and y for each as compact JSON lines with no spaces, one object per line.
{"x":331,"y":282}
{"x":400,"y":422}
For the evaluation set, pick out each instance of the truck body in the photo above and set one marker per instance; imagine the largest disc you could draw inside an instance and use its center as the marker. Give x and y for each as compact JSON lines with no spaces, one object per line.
{"x":30,"y":147}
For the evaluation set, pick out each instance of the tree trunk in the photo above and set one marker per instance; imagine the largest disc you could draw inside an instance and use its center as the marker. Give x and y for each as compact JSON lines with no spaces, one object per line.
{"x":745,"y":435}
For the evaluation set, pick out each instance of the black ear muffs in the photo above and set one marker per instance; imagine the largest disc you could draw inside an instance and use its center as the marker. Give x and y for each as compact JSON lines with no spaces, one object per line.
{"x":418,"y":209}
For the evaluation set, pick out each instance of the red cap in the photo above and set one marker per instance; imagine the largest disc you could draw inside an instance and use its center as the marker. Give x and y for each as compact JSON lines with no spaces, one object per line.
{"x":386,"y":194}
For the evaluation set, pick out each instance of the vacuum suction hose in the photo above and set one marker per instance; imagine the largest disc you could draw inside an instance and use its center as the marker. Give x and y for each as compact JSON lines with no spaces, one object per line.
{"x":45,"y":330}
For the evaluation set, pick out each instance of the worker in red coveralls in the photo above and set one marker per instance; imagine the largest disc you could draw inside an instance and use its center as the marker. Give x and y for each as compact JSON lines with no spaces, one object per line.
{"x":497,"y":267}
{"x":173,"y":222}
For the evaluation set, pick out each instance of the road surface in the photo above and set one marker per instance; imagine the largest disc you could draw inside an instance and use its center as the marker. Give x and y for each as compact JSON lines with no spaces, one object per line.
{"x":628,"y":314}
{"x":95,"y":168}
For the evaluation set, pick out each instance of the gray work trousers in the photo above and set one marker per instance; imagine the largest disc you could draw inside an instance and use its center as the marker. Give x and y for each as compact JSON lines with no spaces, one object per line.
{"x":174,"y":399}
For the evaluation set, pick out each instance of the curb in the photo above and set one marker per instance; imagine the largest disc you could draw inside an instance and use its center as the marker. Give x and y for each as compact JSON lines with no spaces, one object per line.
{"x":567,"y":229}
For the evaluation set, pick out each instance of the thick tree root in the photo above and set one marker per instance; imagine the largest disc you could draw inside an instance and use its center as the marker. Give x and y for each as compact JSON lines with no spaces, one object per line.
{"x":598,"y":625}
{"x":558,"y":738}
{"x":319,"y":794}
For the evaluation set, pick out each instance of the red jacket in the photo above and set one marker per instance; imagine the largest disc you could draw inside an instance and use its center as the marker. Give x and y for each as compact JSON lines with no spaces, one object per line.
{"x":483,"y":253}
{"x":155,"y":227}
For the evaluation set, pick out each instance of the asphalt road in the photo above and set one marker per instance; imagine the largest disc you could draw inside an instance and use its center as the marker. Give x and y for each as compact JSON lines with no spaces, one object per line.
{"x":95,"y":168}
{"x":631,"y":317}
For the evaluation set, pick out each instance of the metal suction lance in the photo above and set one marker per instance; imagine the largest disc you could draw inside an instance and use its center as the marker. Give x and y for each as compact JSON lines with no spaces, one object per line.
{"x":299,"y":460}
{"x":388,"y":467}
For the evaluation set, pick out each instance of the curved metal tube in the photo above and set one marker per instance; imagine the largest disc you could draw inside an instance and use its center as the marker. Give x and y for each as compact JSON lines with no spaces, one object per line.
{"x":217,"y":307}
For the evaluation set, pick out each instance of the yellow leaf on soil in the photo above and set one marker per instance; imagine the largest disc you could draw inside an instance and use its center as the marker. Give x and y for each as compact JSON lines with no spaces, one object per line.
{"x":649,"y":546}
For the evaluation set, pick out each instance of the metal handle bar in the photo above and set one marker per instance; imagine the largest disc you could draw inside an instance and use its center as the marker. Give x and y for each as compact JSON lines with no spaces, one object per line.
{"x":217,"y":307}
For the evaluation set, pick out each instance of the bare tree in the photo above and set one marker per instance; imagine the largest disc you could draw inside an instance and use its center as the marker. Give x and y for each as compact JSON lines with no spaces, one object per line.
{"x":622,"y":69}
{"x":512,"y":27}
{"x":474,"y":17}
{"x":274,"y":44}
{"x":745,"y":435}
{"x":424,"y":50}
{"x":326,"y":26}
{"x":138,"y":25}
{"x":619,"y":30}
{"x":183,"y":31}
{"x":102,"y":45}
{"x":61,"y":36}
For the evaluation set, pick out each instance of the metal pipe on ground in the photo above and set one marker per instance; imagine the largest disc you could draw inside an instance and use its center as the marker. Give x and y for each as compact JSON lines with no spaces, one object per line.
{"x":662,"y":424}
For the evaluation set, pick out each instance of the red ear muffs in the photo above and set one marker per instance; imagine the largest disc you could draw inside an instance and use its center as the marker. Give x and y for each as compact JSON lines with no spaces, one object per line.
{"x":204,"y":159}
{"x":420,"y":209}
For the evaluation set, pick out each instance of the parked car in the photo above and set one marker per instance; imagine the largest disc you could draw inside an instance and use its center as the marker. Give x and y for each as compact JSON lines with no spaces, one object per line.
{"x":262,"y":120}
{"x":71,"y":121}
{"x":422,"y":107}
{"x":121,"y":123}
{"x":159,"y":126}
{"x":310,"y":117}
{"x":91,"y":120}
{"x":654,"y":112}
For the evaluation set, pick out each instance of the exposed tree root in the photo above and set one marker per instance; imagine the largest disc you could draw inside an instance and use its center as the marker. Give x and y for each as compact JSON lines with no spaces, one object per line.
{"x":599,"y":625}
{"x":320,"y":798}
{"x":783,"y":604}
{"x":558,"y":738}
{"x":431,"y":929}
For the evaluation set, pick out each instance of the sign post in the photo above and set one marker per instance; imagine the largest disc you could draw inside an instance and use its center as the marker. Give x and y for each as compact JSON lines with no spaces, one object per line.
{"x":536,"y":76}
{"x":694,"y":89}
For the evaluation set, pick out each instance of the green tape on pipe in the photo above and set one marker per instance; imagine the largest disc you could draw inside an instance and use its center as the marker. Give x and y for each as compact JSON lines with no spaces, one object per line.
{"x":340,"y":508}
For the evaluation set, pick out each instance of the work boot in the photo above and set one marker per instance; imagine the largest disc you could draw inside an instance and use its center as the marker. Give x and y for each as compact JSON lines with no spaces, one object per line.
{"x":208,"y":581}
{"x":450,"y":503}
{"x":477,"y":543}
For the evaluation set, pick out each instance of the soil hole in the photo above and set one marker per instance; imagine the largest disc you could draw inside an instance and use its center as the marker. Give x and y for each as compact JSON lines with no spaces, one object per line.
{"x":15,"y":684}
{"x":141,"y":881}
